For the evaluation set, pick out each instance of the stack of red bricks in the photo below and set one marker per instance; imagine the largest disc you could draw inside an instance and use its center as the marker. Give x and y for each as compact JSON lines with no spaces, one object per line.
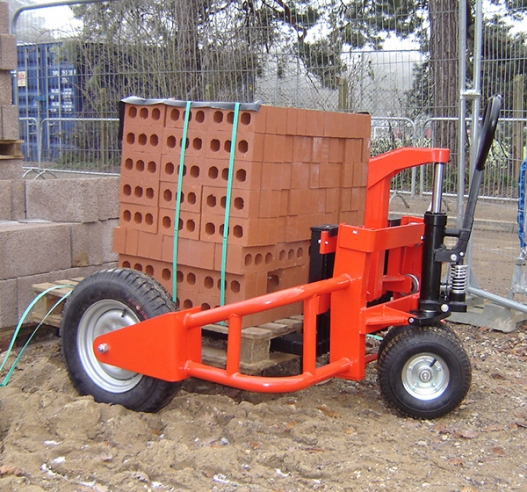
{"x":292,"y":169}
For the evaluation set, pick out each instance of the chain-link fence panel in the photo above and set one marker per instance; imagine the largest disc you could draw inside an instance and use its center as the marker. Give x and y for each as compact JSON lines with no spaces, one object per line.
{"x":398,"y":62}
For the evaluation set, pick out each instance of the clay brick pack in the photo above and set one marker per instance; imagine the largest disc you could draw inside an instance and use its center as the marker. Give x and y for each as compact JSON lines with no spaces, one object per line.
{"x":282,"y":171}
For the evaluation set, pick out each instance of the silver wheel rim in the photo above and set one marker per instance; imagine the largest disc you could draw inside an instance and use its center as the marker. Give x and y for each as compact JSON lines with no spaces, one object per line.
{"x":100,"y":318}
{"x":425,"y":376}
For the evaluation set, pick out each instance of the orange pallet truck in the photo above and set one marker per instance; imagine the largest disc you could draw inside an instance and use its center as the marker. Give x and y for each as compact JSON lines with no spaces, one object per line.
{"x":124,"y":343}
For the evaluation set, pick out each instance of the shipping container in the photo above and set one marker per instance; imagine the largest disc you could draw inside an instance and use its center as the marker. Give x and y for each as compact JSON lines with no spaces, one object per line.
{"x":48,"y":92}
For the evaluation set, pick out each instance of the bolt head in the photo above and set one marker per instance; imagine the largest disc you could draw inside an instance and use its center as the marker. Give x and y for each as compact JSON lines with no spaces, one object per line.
{"x":102,"y":348}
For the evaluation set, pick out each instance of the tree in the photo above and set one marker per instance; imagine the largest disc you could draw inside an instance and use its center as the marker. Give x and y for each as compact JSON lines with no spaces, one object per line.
{"x":34,"y":29}
{"x":216,"y":49}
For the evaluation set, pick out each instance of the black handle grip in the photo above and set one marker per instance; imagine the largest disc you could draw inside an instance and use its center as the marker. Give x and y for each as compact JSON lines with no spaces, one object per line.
{"x":488,"y":128}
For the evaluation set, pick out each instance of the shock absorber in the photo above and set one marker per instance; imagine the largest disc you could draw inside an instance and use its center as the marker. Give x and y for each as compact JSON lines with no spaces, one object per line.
{"x":458,"y":284}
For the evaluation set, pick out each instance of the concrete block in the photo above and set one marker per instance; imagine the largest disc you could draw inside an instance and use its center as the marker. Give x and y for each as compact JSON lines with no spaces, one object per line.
{"x":18,"y":199}
{"x":108,"y":188}
{"x":63,"y":200}
{"x":24,"y":286}
{"x":32,"y":247}
{"x":8,"y":303}
{"x":6,"y":86}
{"x":8,"y":122}
{"x":4,"y":17}
{"x":5,"y":200}
{"x":86,"y":244}
{"x":107,"y":231}
{"x":11,"y":169}
{"x":12,"y":200}
{"x":7,"y":52}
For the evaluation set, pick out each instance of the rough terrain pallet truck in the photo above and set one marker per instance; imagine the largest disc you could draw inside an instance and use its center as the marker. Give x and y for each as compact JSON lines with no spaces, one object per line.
{"x":124,"y":342}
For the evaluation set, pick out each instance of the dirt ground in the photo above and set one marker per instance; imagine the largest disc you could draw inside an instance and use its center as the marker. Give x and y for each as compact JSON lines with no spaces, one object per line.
{"x":336,"y":436}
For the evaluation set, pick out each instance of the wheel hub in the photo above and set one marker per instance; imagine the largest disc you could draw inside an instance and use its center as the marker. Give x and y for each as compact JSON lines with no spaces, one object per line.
{"x":100,"y":318}
{"x":425,"y":376}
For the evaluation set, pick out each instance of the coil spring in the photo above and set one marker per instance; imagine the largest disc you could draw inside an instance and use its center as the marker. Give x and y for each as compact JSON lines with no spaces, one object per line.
{"x":458,"y":278}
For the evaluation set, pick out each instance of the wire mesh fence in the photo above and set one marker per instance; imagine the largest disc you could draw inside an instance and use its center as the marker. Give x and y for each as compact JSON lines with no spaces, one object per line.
{"x":398,"y":62}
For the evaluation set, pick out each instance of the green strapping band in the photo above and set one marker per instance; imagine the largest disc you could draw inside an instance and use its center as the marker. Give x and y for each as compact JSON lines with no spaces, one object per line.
{"x":178,"y":199}
{"x":228,"y":205}
{"x":19,"y":326}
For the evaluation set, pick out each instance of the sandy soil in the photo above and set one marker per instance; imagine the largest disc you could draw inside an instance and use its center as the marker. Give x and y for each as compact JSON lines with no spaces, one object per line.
{"x":337,"y":436}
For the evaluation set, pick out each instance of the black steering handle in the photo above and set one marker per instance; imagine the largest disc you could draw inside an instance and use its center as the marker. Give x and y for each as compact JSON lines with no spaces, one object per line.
{"x":488,"y":129}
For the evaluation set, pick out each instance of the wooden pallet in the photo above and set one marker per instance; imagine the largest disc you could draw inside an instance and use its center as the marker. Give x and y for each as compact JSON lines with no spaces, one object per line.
{"x":11,"y":149}
{"x":255,"y":356}
{"x":45,"y":303}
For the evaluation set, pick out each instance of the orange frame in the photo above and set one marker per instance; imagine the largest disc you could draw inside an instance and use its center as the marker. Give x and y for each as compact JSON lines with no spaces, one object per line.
{"x":369,"y":262}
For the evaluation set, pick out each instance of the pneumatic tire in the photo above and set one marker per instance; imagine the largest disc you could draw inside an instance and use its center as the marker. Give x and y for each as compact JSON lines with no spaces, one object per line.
{"x":106,"y":301}
{"x":424,"y":372}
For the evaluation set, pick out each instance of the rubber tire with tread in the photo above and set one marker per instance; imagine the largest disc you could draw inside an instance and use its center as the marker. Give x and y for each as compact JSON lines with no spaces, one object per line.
{"x":397,"y":330}
{"x":144,"y":298}
{"x":420,"y":341}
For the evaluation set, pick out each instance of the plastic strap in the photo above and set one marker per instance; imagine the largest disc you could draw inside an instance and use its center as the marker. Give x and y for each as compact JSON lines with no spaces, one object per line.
{"x":178,"y":200}
{"x":521,"y":204}
{"x":19,"y":326}
{"x":228,"y":205}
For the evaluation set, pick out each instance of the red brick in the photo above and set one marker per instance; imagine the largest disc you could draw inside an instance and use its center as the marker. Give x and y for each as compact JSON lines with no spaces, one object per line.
{"x":358,"y":125}
{"x":195,"y":144}
{"x":297,"y":202}
{"x":271,"y":176}
{"x":303,"y":149}
{"x":138,"y":190}
{"x":301,"y":122}
{"x":192,"y":169}
{"x":358,"y":199}
{"x":189,"y":223}
{"x":244,"y":203}
{"x":315,"y":123}
{"x":298,"y":227}
{"x":360,"y":175}
{"x":242,"y":259}
{"x":151,"y":116}
{"x":347,"y":174}
{"x":299,"y":175}
{"x":332,"y":199}
{"x":314,"y":175}
{"x":330,"y":176}
{"x":119,"y":239}
{"x":143,"y":139}
{"x":336,"y":150}
{"x":141,"y":164}
{"x":284,"y":202}
{"x":132,"y":242}
{"x":321,"y":149}
{"x":247,"y":176}
{"x":345,"y":199}
{"x":292,"y":117}
{"x":281,"y":120}
{"x":149,"y":245}
{"x":353,"y":150}
{"x":269,"y":203}
{"x":175,"y":117}
{"x":241,"y":231}
{"x":190,"y":196}
{"x":139,"y":217}
{"x":198,"y":254}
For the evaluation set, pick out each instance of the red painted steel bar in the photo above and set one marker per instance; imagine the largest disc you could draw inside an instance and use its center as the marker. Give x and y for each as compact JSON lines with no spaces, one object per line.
{"x":267,"y":384}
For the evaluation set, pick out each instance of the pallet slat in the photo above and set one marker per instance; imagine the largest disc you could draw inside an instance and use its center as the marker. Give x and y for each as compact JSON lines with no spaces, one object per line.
{"x":11,"y":149}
